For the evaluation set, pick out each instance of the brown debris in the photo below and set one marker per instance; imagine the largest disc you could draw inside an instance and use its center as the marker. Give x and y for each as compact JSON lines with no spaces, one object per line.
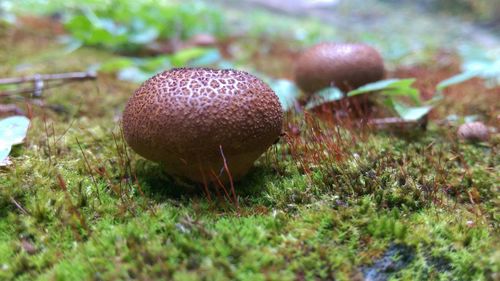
{"x":7,"y":110}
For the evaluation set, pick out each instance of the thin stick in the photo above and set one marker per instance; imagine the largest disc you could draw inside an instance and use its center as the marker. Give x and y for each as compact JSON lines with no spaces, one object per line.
{"x":217,"y":192}
{"x":18,"y":206}
{"x":220,"y":184}
{"x":32,"y":90}
{"x":89,"y":75}
{"x":125,"y":152}
{"x":230,"y":178}
{"x":48,"y":138}
{"x":205,"y":185}
{"x":41,"y":82}
{"x":394,"y":122}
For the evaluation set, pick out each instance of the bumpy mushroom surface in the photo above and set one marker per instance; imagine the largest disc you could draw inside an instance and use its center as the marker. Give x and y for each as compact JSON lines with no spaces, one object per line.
{"x":182,"y":117}
{"x":346,"y":66}
{"x":474,"y":132}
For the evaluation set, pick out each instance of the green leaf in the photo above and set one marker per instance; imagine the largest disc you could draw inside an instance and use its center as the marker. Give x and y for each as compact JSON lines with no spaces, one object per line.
{"x":286,"y":91}
{"x":133,"y":74}
{"x":182,"y":57}
{"x":154,"y":64}
{"x":456,"y":79}
{"x":383,"y":85}
{"x":482,"y":63}
{"x":12,"y":131}
{"x":72,"y":45}
{"x":390,"y":87}
{"x":211,"y":56}
{"x":116,"y":64}
{"x":79,"y":26}
{"x":411,"y":113}
{"x":135,"y":69}
{"x":96,"y":31}
{"x":144,"y":36}
{"x":131,"y":25}
{"x":142,"y":32}
{"x":326,"y":95}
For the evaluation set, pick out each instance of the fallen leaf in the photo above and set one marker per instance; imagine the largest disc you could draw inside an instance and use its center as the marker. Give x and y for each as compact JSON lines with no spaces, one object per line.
{"x":12,"y":131}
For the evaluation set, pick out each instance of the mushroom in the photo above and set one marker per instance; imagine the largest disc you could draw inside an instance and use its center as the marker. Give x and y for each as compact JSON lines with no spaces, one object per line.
{"x":473,"y":132}
{"x":345,"y":66}
{"x":195,"y":120}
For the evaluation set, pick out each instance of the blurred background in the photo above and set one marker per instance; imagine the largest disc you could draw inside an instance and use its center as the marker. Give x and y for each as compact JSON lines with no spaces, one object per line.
{"x":406,"y":32}
{"x":430,"y":40}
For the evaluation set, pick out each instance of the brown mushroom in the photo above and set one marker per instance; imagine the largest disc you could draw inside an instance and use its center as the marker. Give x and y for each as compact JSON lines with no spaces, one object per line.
{"x":345,"y":66}
{"x":190,"y":119}
{"x":473,"y":132}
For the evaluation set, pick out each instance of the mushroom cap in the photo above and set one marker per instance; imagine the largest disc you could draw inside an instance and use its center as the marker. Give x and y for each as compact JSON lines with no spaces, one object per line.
{"x":182,"y":118}
{"x":346,"y":66}
{"x":474,"y":132}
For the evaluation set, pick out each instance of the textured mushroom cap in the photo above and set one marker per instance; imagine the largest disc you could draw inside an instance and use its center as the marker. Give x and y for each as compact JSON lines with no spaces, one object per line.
{"x":347,"y":66}
{"x":181,"y":117}
{"x":474,"y":131}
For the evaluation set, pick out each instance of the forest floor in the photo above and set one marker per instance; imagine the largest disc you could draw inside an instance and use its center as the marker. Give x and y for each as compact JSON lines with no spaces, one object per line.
{"x":327,"y":202}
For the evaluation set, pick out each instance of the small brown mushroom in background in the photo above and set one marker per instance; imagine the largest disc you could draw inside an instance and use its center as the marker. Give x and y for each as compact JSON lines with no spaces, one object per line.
{"x":345,"y":66}
{"x":190,"y":119}
{"x":473,"y":132}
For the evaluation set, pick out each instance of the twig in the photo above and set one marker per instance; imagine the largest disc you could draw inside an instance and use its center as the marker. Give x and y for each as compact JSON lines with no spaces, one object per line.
{"x":89,"y":75}
{"x":49,"y":150}
{"x":205,"y":185}
{"x":25,"y":90}
{"x":230,"y":178}
{"x":18,"y":206}
{"x":397,"y":123}
{"x":220,"y":184}
{"x":38,"y":86}
{"x":40,"y":82}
